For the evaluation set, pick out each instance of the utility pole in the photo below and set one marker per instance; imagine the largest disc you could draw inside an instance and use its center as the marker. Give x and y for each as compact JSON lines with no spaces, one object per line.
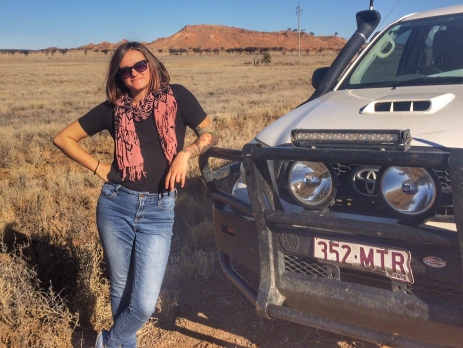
{"x":298,"y":12}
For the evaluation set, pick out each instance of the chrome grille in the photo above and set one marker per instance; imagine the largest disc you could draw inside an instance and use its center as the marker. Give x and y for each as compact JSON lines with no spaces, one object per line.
{"x":444,"y":177}
{"x":341,"y":168}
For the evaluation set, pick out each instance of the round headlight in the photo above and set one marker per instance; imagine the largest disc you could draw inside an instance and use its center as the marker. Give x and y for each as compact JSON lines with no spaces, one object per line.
{"x":410,"y":192}
{"x":311,"y":183}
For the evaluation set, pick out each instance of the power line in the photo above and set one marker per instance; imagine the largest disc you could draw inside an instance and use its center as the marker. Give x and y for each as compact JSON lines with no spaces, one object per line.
{"x":298,"y":12}
{"x":393,"y":8}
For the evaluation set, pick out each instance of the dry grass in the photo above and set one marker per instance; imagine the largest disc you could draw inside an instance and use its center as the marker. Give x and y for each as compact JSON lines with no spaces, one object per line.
{"x":52,"y":275}
{"x":29,"y":316}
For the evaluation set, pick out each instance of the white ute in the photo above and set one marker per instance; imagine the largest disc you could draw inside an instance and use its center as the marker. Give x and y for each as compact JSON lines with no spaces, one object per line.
{"x":349,"y":209}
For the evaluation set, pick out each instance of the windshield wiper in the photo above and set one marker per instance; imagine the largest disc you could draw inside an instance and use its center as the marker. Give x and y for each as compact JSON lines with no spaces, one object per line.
{"x":418,"y":81}
{"x":428,"y":80}
{"x":414,"y":82}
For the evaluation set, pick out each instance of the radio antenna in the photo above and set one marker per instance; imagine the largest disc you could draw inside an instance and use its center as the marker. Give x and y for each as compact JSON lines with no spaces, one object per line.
{"x":371,"y":4}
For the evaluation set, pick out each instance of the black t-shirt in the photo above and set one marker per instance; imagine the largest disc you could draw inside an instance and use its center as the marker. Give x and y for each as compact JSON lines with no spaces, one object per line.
{"x":189,"y":113}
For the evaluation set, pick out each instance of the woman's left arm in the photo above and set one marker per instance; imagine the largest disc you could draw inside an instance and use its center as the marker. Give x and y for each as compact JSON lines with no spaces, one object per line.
{"x":207,"y":138}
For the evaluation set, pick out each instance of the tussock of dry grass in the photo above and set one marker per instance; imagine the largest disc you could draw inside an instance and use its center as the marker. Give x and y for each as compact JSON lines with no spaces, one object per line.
{"x":53,"y":274}
{"x":29,"y":316}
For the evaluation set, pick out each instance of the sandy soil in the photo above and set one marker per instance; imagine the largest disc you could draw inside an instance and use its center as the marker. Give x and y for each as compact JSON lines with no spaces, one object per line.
{"x":216,"y":314}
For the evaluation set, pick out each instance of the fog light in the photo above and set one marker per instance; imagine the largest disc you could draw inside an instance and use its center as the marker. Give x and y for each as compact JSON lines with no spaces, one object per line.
{"x":410,"y":192}
{"x":311,"y":184}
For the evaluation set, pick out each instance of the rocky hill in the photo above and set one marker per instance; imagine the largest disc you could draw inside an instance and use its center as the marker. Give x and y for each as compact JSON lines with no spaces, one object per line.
{"x":222,"y":37}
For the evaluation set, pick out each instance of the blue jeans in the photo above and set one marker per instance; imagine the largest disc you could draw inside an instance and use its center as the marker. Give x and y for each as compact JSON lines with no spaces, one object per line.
{"x":135,"y":230}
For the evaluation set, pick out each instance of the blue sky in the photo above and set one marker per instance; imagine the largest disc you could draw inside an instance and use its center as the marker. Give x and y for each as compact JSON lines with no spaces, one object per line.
{"x":38,"y":24}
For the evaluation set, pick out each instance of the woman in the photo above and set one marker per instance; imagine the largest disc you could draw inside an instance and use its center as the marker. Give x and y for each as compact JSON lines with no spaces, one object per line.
{"x":147,"y":118}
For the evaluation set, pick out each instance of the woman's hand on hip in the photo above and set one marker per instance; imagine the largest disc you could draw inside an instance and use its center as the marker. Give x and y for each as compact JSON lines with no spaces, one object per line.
{"x":103,"y":171}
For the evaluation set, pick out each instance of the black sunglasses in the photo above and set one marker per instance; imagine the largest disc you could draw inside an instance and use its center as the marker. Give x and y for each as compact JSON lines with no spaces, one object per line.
{"x":140,"y":66}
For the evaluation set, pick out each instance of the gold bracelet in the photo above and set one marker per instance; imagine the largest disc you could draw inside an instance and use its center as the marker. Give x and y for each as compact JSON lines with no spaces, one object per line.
{"x":94,"y":172}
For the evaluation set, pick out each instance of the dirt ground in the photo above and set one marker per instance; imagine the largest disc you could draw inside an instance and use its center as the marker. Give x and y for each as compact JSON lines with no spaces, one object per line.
{"x":215,"y":314}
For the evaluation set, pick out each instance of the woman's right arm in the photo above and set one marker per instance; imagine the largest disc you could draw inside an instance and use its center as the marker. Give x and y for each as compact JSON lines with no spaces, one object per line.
{"x":67,"y":141}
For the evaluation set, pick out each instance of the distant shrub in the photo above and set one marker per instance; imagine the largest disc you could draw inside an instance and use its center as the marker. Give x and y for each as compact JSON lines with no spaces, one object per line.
{"x":263,"y":58}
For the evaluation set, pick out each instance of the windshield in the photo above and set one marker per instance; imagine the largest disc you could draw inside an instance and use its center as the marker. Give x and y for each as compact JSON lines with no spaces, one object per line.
{"x":420,"y":52}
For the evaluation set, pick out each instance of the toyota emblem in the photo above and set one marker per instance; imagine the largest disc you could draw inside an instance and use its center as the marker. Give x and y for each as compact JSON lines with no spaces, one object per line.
{"x":364,"y":181}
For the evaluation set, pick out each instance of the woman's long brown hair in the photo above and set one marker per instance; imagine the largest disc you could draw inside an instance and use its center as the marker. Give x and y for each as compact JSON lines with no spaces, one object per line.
{"x":115,"y":87}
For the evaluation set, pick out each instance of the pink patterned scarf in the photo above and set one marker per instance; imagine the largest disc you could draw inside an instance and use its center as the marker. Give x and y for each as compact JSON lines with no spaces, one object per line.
{"x":128,"y":152}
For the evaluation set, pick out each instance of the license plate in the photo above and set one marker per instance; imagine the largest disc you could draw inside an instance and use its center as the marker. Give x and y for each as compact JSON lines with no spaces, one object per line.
{"x":393,"y":263}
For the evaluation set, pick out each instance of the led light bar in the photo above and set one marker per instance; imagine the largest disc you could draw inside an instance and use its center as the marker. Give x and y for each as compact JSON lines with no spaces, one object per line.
{"x":368,"y":138}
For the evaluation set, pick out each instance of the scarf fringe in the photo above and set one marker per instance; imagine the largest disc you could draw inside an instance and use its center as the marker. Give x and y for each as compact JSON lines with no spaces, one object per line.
{"x":136,"y":172}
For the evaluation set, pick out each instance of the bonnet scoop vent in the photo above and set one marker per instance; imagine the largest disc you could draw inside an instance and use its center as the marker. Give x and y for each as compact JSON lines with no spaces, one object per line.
{"x":411,"y":104}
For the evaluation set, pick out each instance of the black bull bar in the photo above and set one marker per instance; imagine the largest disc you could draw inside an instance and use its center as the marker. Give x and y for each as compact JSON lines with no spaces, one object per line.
{"x":438,"y":325}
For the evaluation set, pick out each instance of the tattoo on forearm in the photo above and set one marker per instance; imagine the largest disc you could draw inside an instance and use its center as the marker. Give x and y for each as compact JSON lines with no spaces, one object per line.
{"x":200,"y":145}
{"x":206,"y":138}
{"x":205,"y":128}
{"x":194,"y":150}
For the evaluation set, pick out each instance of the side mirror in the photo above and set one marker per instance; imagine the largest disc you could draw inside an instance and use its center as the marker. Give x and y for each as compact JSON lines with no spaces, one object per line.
{"x":318,"y":75}
{"x":367,"y":21}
